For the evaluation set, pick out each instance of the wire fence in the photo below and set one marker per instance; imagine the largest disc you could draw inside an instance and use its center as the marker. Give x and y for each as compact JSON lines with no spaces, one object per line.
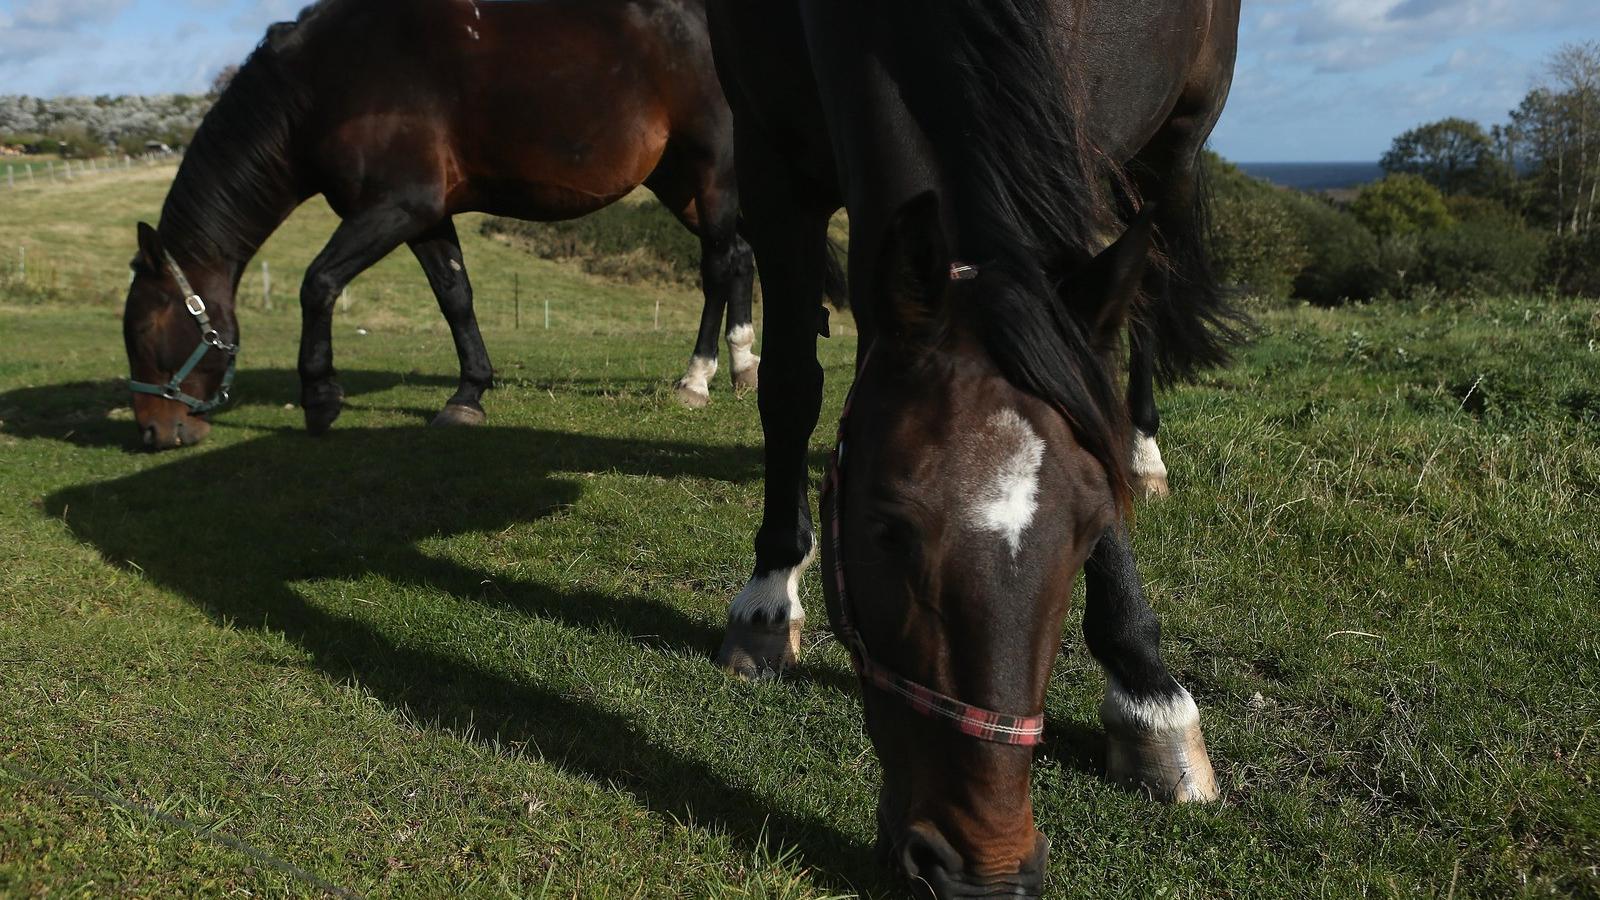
{"x":20,"y":171}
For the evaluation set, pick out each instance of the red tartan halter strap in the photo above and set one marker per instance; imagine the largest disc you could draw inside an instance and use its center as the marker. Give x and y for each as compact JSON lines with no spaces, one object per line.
{"x":984,"y":724}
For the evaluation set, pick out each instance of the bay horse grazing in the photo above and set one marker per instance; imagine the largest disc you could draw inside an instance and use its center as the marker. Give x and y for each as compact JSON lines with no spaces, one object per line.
{"x":403,"y":113}
{"x":987,"y":152}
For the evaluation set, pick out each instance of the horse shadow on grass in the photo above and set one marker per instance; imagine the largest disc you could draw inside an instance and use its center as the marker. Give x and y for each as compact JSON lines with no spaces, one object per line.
{"x":98,"y":413}
{"x":234,"y":529}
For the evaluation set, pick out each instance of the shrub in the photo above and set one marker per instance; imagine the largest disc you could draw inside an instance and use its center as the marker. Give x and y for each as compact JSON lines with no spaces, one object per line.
{"x":1256,"y":242}
{"x":1489,"y":251}
{"x":628,"y":241}
{"x":1572,"y":264}
{"x":1400,"y":205}
{"x":1341,"y":254}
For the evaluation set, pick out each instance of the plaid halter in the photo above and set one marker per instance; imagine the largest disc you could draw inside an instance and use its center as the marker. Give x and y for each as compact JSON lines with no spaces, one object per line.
{"x":975,"y":721}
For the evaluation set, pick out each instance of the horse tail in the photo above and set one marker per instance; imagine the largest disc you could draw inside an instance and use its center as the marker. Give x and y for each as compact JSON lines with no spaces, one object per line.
{"x":835,"y":284}
{"x":1195,"y":323}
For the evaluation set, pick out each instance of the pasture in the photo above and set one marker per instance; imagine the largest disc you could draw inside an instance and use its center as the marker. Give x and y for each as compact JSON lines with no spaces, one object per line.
{"x":402,"y":661}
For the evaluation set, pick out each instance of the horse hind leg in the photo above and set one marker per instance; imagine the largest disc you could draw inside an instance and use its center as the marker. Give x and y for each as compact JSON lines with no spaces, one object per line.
{"x":439,"y":252}
{"x":1153,"y":737}
{"x":1146,"y":468}
{"x":703,"y":196}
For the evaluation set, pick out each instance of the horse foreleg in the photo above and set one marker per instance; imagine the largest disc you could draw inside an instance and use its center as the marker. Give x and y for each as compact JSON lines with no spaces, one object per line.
{"x":358,"y":243}
{"x":439,"y":252}
{"x":765,"y":620}
{"x":1153,"y":737}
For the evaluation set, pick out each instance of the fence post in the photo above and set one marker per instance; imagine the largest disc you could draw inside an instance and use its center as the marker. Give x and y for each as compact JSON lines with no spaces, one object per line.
{"x":30,"y":173}
{"x":51,"y":165}
{"x":546,"y":312}
{"x":22,"y":261}
{"x":11,"y":180}
{"x":516,"y":300}
{"x":266,"y":286}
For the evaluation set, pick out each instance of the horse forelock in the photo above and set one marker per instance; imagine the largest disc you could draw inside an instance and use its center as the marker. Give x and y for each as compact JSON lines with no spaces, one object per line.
{"x":1030,"y":195}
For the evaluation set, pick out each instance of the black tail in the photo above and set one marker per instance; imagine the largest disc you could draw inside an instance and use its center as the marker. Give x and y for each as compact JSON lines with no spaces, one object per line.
{"x":1194,"y":322}
{"x":835,"y":284}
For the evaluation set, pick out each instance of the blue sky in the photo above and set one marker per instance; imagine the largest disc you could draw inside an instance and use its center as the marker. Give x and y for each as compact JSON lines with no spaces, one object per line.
{"x":1317,"y":79}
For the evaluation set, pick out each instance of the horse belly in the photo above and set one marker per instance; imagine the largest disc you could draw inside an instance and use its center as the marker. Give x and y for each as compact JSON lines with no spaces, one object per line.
{"x":561,"y":135}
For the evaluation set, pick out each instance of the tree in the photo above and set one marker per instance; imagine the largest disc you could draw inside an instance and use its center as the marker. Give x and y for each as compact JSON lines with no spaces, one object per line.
{"x":1555,"y":135}
{"x":1399,"y":206}
{"x":221,"y":82}
{"x":1454,"y":155}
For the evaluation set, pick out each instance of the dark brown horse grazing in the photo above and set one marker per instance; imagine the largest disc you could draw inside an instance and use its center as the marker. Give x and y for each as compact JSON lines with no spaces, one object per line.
{"x":404,"y":113}
{"x":985,"y":149}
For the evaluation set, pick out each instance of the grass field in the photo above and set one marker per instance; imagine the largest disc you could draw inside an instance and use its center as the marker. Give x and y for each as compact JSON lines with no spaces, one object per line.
{"x":398,"y":661}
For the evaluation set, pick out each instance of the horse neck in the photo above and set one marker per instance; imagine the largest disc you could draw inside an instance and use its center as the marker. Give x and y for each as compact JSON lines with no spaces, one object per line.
{"x":237,"y":184}
{"x":223,"y":252}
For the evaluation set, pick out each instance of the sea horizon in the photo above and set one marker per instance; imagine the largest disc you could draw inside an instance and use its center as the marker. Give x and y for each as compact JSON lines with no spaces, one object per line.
{"x":1314,"y":176}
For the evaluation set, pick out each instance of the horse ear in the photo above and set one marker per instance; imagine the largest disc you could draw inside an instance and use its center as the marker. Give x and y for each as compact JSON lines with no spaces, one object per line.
{"x":150,"y":252}
{"x":913,"y":264}
{"x":1107,"y":285}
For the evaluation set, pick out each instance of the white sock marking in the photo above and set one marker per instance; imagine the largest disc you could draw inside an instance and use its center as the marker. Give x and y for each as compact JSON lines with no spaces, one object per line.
{"x":1167,"y":715}
{"x":741,"y":338}
{"x":1147,"y":457}
{"x":1005,"y":503}
{"x":698,"y":378}
{"x":776,"y":595}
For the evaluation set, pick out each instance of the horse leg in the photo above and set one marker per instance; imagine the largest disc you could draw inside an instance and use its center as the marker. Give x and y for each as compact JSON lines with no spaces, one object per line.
{"x":439,"y":251}
{"x":1153,"y":736}
{"x":1148,"y":472}
{"x":1167,"y":173}
{"x":705,"y":199}
{"x":728,"y":272}
{"x":358,"y":243}
{"x":790,"y":241}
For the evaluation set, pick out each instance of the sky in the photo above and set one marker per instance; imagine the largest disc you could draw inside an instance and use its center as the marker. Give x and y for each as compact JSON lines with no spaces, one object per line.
{"x":1317,"y":80}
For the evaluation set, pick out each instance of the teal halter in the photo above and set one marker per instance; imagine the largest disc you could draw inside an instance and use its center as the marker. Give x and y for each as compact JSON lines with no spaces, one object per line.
{"x":209,"y":340}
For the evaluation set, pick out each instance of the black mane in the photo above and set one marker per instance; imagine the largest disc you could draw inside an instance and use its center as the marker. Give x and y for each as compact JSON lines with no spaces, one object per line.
{"x":1030,"y":198}
{"x":1034,"y":201}
{"x":237,"y":180}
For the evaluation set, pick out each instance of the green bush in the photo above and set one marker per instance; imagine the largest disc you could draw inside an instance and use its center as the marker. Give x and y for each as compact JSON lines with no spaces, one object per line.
{"x":1400,"y":205}
{"x":1572,"y":264}
{"x":1489,"y":251}
{"x":1343,"y":255}
{"x":1256,"y":242}
{"x":627,"y":241}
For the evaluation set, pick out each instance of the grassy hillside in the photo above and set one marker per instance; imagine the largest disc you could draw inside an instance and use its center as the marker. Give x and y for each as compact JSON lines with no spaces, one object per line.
{"x":415,"y":662}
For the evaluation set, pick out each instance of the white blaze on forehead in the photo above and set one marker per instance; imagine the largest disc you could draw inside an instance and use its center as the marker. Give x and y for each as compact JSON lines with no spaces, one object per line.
{"x":1006,"y":498}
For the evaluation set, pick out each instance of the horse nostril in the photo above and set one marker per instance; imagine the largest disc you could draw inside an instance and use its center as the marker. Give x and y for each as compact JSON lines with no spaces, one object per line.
{"x":926,"y":855}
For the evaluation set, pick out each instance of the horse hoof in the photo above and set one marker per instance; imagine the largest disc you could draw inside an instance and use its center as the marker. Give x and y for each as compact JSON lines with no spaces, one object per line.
{"x":692,"y":396}
{"x":321,"y":405}
{"x":1171,"y":767}
{"x":1151,"y":487}
{"x":746,"y":380}
{"x":457,"y":414}
{"x":756,"y":652}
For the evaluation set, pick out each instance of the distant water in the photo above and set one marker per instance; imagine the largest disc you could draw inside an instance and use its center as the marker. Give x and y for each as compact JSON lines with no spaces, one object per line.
{"x":1314,"y":176}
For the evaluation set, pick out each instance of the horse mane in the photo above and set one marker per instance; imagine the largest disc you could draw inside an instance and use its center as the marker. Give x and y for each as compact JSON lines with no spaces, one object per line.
{"x":1032,"y":200}
{"x":238,"y":176}
{"x":1035,"y":200}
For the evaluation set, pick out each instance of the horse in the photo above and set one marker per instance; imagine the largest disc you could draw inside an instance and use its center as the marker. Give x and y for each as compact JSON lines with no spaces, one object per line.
{"x":403,"y":114}
{"x":1022,"y":183}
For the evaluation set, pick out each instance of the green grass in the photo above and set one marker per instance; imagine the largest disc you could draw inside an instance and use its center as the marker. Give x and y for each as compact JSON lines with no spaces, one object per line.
{"x":403,"y":661}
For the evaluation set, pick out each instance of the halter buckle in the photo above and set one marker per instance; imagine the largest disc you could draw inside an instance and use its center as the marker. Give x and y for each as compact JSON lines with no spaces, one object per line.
{"x":194,"y":305}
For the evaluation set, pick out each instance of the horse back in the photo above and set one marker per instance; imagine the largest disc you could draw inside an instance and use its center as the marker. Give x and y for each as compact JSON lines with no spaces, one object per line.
{"x":539,"y":109}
